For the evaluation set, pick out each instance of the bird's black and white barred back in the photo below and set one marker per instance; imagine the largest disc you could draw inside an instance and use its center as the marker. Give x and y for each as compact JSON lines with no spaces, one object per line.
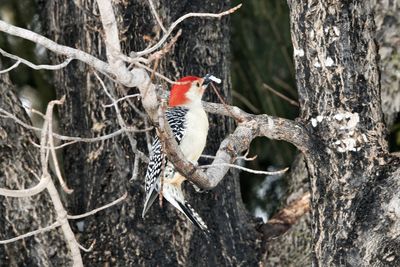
{"x":189,"y":125}
{"x":176,"y":119}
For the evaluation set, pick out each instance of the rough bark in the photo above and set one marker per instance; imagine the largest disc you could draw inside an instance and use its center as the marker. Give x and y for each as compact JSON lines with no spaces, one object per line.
{"x":18,"y":162}
{"x":294,"y":248}
{"x":387,"y":20}
{"x":355,"y":200}
{"x":100,"y":172}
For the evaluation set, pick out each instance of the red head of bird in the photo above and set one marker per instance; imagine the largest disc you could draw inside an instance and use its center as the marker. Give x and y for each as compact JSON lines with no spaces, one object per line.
{"x":189,"y":91}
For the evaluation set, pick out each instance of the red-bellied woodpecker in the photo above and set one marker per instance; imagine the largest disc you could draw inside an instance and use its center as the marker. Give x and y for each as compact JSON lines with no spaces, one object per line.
{"x":189,"y":124}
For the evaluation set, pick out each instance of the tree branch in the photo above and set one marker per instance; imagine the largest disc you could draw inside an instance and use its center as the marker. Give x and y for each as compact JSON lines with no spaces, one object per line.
{"x":27,"y":192}
{"x":80,"y":216}
{"x":251,"y":126}
{"x":34,"y":66}
{"x":178,"y":21}
{"x":281,"y":222}
{"x":38,"y":231}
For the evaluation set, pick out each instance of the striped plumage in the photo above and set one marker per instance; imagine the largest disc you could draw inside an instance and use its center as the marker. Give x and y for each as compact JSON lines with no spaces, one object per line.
{"x":189,"y":124}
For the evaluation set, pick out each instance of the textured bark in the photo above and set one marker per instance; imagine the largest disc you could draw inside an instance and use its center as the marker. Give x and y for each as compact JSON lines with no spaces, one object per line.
{"x":294,"y":248}
{"x":100,"y":172}
{"x":18,"y":159}
{"x":354,"y":181}
{"x":387,"y":20}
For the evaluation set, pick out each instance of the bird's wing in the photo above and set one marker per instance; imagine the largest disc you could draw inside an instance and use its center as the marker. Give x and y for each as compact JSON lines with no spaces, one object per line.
{"x":176,"y":119}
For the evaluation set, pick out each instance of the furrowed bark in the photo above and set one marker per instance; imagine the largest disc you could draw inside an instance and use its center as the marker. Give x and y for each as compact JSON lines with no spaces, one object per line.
{"x":338,"y":81}
{"x":19,"y":162}
{"x":100,"y":171}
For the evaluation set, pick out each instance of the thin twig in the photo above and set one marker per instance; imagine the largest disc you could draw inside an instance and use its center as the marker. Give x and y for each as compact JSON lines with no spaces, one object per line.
{"x":34,"y":66}
{"x":245,"y":101}
{"x":27,"y":192}
{"x":166,"y":48}
{"x":176,"y":23}
{"x":244,"y":168}
{"x":154,"y":11}
{"x":72,"y":138}
{"x":80,"y":216}
{"x":87,"y":249}
{"x":54,"y":195}
{"x":125,"y":77}
{"x":290,"y":101}
{"x":16,"y":64}
{"x":52,"y":150}
{"x":140,"y":65}
{"x":121,"y":99}
{"x":224,"y":103}
{"x":38,"y":231}
{"x":121,"y":121}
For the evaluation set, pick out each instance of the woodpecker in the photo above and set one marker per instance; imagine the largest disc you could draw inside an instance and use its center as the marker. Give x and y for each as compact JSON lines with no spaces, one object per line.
{"x":189,"y":124}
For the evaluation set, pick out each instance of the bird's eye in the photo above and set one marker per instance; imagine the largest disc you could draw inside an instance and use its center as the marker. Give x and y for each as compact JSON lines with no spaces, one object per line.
{"x":197,"y":84}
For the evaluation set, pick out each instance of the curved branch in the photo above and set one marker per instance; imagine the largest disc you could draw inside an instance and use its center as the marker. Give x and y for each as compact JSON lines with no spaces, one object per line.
{"x":57,"y":48}
{"x":251,"y":126}
{"x":281,"y":222}
{"x":34,"y":66}
{"x":38,"y":231}
{"x":176,"y":23}
{"x":27,"y":192}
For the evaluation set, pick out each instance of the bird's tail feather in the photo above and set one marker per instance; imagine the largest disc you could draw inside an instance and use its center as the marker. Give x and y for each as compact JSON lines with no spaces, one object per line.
{"x":194,"y":217}
{"x":149,"y":201}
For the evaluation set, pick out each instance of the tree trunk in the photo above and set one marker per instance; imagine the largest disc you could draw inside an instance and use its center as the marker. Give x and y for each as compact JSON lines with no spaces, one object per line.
{"x":354,"y":181}
{"x":387,"y":20}
{"x":100,"y":172}
{"x":19,"y":163}
{"x":294,"y":248}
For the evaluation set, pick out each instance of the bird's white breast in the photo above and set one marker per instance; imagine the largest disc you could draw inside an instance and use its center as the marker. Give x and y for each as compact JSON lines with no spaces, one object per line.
{"x":194,"y":140}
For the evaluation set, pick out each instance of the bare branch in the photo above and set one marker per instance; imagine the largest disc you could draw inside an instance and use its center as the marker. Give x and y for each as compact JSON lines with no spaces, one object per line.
{"x":76,"y":217}
{"x":113,"y":46}
{"x":245,"y":169}
{"x":121,"y":99}
{"x":27,"y":192}
{"x":87,"y":249}
{"x":155,"y":73}
{"x":251,"y":126}
{"x":281,"y":222}
{"x":290,"y":101}
{"x":34,"y":66}
{"x":49,"y":113}
{"x":5,"y":114}
{"x":167,"y":47}
{"x":154,"y":11}
{"x":38,"y":231}
{"x":55,"y":197}
{"x":16,"y":64}
{"x":121,"y":121}
{"x":176,"y":23}
{"x":53,"y":46}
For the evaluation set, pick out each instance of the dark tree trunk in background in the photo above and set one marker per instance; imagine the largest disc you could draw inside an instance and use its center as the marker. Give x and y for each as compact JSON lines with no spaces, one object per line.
{"x":100,"y":172}
{"x":355,"y":194}
{"x":18,"y":161}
